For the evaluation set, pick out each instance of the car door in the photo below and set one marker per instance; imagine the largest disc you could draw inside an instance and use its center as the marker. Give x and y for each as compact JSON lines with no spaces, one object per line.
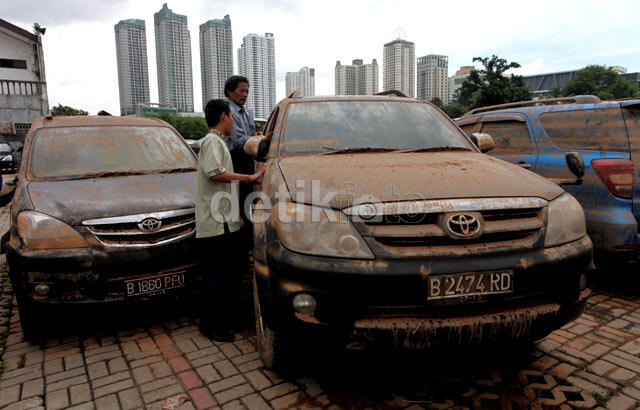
{"x":512,"y":136}
{"x":631,"y":112}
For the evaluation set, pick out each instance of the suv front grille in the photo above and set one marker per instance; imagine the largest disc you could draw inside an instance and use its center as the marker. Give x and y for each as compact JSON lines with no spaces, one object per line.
{"x":126,"y":231}
{"x":417,"y":228}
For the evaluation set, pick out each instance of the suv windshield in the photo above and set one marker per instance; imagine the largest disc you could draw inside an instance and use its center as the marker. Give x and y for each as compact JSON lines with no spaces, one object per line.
{"x":81,"y":152}
{"x":315,"y":127}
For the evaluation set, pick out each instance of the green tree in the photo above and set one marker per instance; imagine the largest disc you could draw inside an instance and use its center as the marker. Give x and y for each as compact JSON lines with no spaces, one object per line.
{"x":455,"y":110}
{"x":189,"y":127}
{"x":489,"y":85}
{"x":66,"y":110}
{"x":438,"y":102}
{"x":601,"y":81}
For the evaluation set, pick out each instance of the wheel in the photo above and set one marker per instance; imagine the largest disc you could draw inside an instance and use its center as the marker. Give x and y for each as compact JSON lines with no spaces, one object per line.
{"x":271,"y":345}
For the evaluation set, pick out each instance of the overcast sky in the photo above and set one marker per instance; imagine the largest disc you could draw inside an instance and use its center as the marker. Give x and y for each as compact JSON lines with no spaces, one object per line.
{"x":543,"y":36}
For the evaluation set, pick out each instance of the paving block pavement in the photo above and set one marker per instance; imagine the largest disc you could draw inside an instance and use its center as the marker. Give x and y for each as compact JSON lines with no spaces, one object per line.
{"x":593,"y":362}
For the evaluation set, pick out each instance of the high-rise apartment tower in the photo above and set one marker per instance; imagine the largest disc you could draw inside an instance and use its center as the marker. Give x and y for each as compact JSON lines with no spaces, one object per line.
{"x":216,"y":57}
{"x":398,"y":67}
{"x":357,"y":78}
{"x":303,"y":80}
{"x":173,"y":57}
{"x":432,"y":78}
{"x":257,"y":62}
{"x":133,"y":69}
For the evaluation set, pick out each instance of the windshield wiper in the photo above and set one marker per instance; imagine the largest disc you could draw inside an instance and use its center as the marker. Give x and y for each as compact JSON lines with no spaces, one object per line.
{"x":173,"y":170}
{"x":108,"y":174}
{"x":349,"y":150}
{"x":431,"y":149}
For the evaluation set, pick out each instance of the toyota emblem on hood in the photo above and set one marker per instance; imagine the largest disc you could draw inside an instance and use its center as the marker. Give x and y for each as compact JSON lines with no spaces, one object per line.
{"x":150,"y":225}
{"x":464,"y":225}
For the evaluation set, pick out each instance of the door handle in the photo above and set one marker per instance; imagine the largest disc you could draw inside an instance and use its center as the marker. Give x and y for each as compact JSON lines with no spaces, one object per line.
{"x":524,"y":165}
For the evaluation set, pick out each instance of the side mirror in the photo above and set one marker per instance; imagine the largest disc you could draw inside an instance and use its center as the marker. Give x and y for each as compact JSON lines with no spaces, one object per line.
{"x":575,"y":164}
{"x":257,"y":146}
{"x":483,"y":141}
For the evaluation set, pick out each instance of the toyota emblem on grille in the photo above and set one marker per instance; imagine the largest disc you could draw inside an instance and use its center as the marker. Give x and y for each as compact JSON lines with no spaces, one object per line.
{"x":463,"y":225}
{"x":150,"y":225}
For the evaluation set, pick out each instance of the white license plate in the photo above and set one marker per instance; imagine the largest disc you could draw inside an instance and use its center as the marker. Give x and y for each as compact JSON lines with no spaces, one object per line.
{"x":470,"y":284}
{"x":154,"y":285}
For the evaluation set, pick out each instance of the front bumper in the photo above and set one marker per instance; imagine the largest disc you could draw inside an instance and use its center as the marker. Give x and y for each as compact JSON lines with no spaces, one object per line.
{"x":385,"y":300}
{"x":94,"y":274}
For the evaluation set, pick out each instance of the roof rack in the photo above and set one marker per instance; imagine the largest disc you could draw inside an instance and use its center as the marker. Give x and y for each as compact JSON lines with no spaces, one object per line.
{"x":578,"y":99}
{"x":392,"y":92}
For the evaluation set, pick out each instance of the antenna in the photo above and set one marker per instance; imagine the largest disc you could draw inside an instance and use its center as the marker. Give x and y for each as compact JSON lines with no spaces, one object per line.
{"x":399,"y":34}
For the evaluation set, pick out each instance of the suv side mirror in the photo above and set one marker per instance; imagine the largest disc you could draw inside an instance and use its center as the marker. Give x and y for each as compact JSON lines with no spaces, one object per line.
{"x":257,"y":146}
{"x":483,"y":141}
{"x":575,"y":164}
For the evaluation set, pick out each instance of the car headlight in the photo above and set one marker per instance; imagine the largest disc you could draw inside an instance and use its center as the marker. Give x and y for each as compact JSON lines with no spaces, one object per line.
{"x":565,"y":222}
{"x":40,"y":231}
{"x":308,"y":229}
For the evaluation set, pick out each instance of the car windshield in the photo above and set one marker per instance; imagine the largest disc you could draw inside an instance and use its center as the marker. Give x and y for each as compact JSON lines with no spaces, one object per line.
{"x":5,"y":148}
{"x":325,"y":126}
{"x":83,"y":152}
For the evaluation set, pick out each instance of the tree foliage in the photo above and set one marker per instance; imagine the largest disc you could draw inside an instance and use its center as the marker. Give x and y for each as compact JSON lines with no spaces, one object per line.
{"x":489,"y":85}
{"x":455,"y":110}
{"x":66,"y":110}
{"x":600,"y":81}
{"x":438,"y":102}
{"x":189,"y":127}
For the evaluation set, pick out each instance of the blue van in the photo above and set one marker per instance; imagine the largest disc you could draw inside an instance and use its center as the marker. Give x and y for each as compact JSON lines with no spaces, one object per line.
{"x":537,"y":135}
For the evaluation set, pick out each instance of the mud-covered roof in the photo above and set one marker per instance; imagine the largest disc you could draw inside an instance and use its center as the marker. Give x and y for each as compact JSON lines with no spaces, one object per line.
{"x":96,"y":121}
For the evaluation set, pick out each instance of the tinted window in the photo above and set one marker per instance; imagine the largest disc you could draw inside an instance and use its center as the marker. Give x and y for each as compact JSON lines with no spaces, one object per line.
{"x":632,"y":117}
{"x":468,"y":129}
{"x":511,"y":137}
{"x":312,"y":126}
{"x":596,"y":130}
{"x":9,"y":63}
{"x":84,"y":151}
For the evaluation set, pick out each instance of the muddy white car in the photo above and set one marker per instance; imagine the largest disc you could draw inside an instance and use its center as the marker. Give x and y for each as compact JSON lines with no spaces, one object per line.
{"x":380,"y":222}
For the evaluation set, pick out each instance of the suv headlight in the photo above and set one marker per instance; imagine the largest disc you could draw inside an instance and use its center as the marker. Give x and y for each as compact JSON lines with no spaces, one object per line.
{"x":566,"y":221}
{"x":308,"y":229}
{"x":40,"y":231}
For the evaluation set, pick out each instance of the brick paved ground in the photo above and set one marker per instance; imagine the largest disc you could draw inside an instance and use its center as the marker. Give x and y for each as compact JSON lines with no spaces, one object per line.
{"x":144,"y":357}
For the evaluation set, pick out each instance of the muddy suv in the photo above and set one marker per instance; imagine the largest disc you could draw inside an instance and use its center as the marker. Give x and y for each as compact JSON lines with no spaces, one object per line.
{"x":103,"y":211}
{"x":379,"y":221}
{"x":537,"y":135}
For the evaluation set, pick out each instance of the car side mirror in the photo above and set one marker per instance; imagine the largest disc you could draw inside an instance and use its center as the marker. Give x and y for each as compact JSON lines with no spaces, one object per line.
{"x":257,"y":146}
{"x":575,"y":164}
{"x":483,"y":141}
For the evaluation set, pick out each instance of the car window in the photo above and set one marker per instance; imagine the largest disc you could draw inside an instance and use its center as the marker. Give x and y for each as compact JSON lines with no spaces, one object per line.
{"x":632,"y":119}
{"x":311,"y":127}
{"x":5,"y":148}
{"x":511,"y":137}
{"x":600,"y":129}
{"x":468,"y":129}
{"x":70,"y":152}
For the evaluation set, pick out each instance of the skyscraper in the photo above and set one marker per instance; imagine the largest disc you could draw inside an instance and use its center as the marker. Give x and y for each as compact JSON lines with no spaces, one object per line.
{"x":357,"y":78}
{"x":133,"y":69}
{"x":432,"y":78}
{"x":257,"y":62}
{"x":303,"y":80}
{"x":173,"y":57}
{"x":398,"y":67}
{"x":216,"y":57}
{"x":456,"y":81}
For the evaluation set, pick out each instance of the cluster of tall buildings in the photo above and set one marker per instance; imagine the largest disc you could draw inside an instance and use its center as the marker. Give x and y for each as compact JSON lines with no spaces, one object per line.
{"x":398,"y":73}
{"x":256,"y":61}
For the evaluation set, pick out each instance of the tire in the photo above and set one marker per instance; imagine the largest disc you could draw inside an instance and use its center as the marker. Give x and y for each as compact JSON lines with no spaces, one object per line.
{"x":271,"y":344}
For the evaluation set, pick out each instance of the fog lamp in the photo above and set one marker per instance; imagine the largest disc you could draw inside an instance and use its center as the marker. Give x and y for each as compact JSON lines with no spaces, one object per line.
{"x":583,"y":281}
{"x":303,"y":303}
{"x":42,"y":289}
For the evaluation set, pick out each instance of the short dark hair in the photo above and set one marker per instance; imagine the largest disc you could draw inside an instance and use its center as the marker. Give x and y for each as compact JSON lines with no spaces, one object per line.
{"x":233,"y":82}
{"x":214,"y":109}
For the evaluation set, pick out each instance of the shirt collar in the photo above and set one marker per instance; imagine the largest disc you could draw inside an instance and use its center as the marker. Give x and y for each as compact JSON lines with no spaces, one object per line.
{"x":235,"y":106}
{"x":218,"y":133}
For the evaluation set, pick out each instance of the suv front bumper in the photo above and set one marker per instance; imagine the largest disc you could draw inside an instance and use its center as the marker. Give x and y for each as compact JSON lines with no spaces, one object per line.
{"x":385,"y":300}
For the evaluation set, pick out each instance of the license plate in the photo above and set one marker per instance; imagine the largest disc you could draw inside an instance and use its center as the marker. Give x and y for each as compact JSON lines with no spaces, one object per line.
{"x":154,"y":285}
{"x":470,"y":284}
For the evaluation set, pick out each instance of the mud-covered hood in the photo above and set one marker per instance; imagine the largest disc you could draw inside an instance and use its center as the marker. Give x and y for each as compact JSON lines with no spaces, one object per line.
{"x":77,"y":200}
{"x":368,"y":177}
